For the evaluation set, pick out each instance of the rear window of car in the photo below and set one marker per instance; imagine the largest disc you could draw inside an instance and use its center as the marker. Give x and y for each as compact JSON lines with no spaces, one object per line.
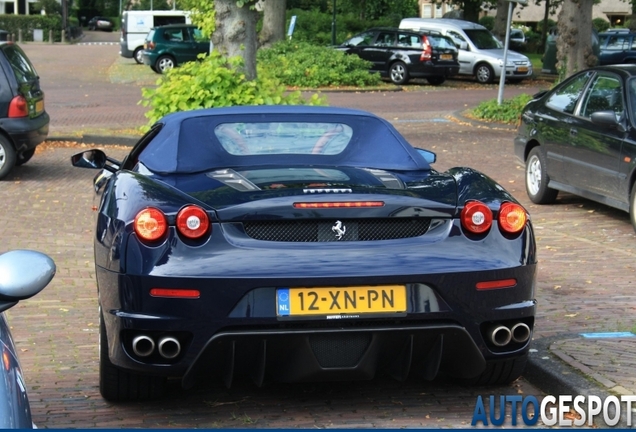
{"x":22,"y":67}
{"x":441,"y":41}
{"x":283,"y":138}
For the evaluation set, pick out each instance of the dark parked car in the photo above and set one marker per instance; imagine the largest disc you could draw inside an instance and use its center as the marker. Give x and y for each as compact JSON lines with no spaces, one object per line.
{"x":579,"y":137}
{"x":24,"y":124}
{"x":171,"y":45}
{"x":404,"y":54}
{"x":101,"y":23}
{"x":517,"y":39}
{"x":617,"y":47}
{"x":24,"y":274}
{"x":299,"y":243}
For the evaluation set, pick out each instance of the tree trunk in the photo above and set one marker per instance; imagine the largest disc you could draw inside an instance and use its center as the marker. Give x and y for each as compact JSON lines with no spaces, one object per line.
{"x":574,"y":40}
{"x":273,"y":23}
{"x":499,"y":29}
{"x":472,"y":9}
{"x":235,"y":32}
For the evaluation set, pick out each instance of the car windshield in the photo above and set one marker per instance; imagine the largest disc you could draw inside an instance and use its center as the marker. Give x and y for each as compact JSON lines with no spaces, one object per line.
{"x":483,"y":39}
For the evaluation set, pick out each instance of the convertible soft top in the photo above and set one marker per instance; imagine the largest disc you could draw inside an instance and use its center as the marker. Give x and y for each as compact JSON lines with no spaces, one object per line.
{"x":257,"y":136}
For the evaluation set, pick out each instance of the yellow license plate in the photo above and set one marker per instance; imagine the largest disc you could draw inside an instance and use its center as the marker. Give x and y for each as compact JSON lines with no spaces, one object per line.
{"x":446,"y":56}
{"x":39,"y":106}
{"x":340,"y":300}
{"x":522,"y":69}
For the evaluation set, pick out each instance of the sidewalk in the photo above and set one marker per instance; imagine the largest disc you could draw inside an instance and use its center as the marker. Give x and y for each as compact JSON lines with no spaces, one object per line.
{"x":582,"y":344}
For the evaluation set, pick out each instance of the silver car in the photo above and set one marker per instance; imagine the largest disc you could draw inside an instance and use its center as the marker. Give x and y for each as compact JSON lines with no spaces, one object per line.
{"x":480,"y":53}
{"x":24,"y":274}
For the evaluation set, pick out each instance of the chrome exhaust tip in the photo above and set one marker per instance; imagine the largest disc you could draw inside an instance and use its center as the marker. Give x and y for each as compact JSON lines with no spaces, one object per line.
{"x":500,"y":335}
{"x":169,"y":347}
{"x":143,"y":345}
{"x":520,"y":332}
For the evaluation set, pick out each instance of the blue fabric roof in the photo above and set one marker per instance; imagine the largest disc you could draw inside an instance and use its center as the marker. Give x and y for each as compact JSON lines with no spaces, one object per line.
{"x":187,"y":143}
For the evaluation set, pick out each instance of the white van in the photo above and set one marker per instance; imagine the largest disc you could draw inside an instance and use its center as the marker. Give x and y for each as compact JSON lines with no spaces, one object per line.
{"x":136,"y":24}
{"x":480,"y":53}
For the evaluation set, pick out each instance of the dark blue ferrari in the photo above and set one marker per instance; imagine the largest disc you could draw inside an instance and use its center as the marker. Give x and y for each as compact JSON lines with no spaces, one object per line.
{"x":298,"y":243}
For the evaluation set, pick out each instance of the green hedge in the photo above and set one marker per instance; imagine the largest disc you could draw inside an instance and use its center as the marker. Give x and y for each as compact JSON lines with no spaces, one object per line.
{"x":13,"y":24}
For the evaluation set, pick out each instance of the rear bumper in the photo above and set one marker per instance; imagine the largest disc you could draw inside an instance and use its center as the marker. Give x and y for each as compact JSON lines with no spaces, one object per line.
{"x":26,"y":133}
{"x":429,"y":69}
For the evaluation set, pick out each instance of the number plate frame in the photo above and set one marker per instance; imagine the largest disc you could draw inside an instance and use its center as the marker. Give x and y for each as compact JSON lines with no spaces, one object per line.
{"x":341,"y":302}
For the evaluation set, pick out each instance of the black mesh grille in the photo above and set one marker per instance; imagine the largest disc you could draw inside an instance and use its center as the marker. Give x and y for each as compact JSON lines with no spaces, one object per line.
{"x":321,"y":231}
{"x":339,"y":350}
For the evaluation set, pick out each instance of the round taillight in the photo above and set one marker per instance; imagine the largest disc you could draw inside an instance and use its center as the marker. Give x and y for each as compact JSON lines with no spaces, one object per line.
{"x":150,"y":224}
{"x":192,"y":222}
{"x":512,"y":217}
{"x":476,"y":217}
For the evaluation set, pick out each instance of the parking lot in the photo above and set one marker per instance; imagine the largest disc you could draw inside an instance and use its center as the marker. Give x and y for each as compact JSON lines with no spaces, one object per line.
{"x":586,"y":254}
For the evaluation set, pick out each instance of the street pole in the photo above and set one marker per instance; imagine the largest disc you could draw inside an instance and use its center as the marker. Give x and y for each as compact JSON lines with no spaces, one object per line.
{"x":502,"y":78}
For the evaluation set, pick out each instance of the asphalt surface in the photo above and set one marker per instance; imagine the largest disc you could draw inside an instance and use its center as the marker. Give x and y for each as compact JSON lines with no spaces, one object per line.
{"x":585,"y":282}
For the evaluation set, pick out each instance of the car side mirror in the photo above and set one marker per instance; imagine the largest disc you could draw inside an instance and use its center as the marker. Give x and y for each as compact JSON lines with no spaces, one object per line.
{"x":607,"y":119}
{"x":463,"y":46}
{"x":24,"y":274}
{"x":94,"y":159}
{"x":429,"y":156}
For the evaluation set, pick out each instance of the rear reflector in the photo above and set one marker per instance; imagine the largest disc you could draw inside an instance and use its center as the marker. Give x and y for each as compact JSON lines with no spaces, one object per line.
{"x":345,"y":204}
{"x":504,"y":283}
{"x":175,"y":293}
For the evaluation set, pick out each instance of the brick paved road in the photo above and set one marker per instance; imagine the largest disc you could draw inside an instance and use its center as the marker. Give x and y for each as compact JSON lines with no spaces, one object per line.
{"x":586,"y":268}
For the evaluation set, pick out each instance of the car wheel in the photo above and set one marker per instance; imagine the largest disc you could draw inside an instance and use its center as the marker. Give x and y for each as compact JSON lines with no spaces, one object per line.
{"x":7,"y":157}
{"x":537,"y":179}
{"x":632,"y":206}
{"x":24,"y":157}
{"x":116,"y":384}
{"x":499,"y":372}
{"x":164,"y":64}
{"x":484,"y":73}
{"x":436,"y":80}
{"x":398,"y":73}
{"x":137,"y":55}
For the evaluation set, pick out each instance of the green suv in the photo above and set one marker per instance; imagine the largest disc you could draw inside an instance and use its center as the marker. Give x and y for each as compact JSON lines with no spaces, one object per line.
{"x":168,"y":46}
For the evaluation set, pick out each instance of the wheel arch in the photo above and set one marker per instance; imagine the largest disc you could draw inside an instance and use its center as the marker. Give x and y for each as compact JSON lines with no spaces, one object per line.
{"x":529,"y":146}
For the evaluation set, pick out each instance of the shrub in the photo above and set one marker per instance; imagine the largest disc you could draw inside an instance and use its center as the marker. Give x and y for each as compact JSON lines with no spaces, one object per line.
{"x":600,"y":24}
{"x":300,"y":64}
{"x":488,"y":22}
{"x":27,"y":23}
{"x":215,"y":81}
{"x":508,"y":112}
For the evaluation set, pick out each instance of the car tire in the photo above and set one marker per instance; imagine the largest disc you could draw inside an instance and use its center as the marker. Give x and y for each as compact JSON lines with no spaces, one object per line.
{"x":164,"y":64}
{"x":137,"y":55}
{"x":116,"y":384}
{"x":24,"y":157}
{"x":499,"y":372}
{"x":436,"y":80}
{"x":484,"y":73}
{"x":632,"y":206}
{"x":7,"y":157}
{"x":537,"y":179}
{"x":398,"y":73}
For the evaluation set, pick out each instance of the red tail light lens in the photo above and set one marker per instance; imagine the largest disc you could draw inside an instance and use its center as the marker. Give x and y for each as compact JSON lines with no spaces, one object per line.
{"x":18,"y":107}
{"x":476,"y":217}
{"x":151,"y":45}
{"x":193,"y":222}
{"x":512,"y":217}
{"x":150,"y":224}
{"x":427,"y":51}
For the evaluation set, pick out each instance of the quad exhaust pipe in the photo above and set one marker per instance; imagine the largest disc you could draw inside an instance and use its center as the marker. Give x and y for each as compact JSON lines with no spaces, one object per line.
{"x":168,"y":347}
{"x":143,"y":345}
{"x":500,"y":335}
